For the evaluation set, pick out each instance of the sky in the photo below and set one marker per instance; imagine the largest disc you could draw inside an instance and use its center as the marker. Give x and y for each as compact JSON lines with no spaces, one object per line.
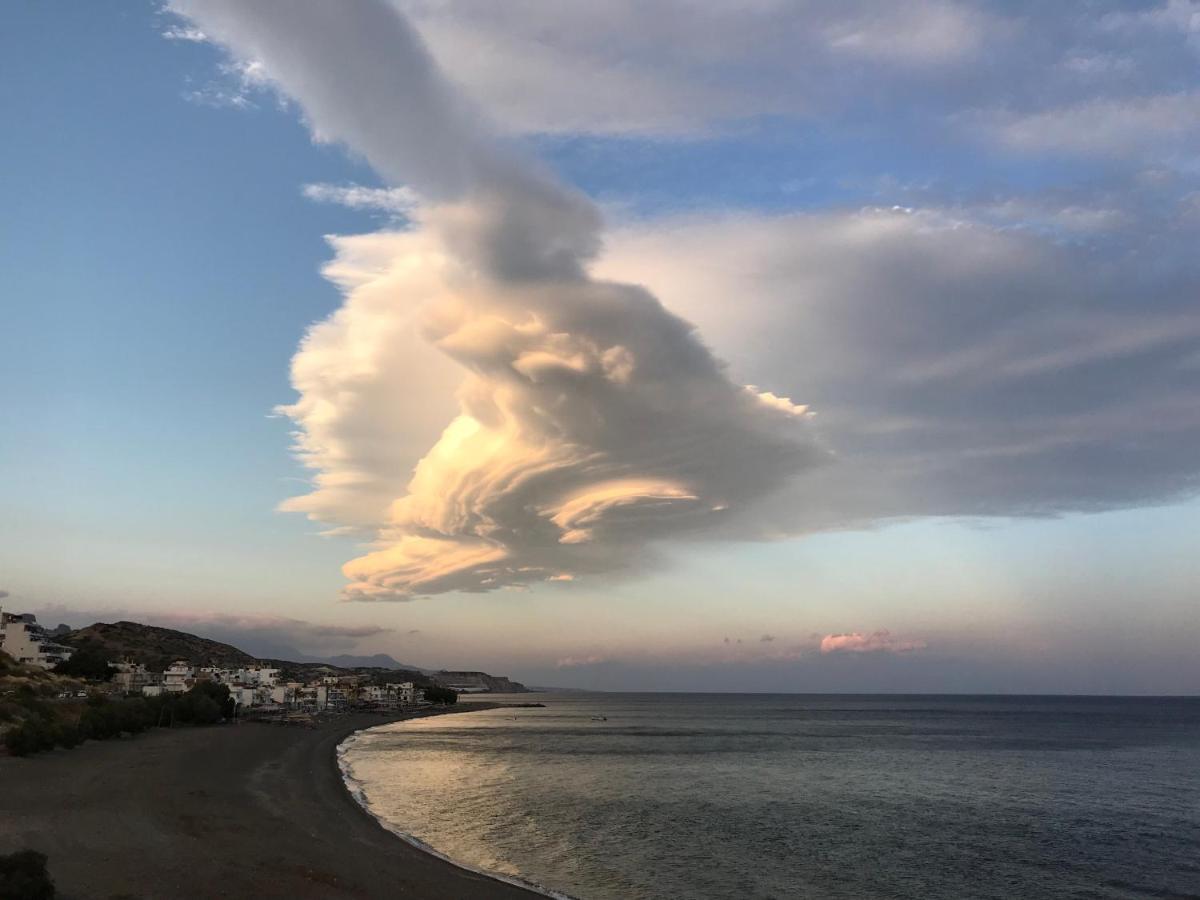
{"x":770,"y":346}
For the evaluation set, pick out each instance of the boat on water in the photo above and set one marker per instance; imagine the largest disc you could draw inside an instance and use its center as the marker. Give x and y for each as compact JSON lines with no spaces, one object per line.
{"x":599,"y":718}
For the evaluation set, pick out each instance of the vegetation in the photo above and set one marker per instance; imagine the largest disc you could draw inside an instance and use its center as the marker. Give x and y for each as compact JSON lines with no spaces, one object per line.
{"x":437,"y":694}
{"x":89,"y":662}
{"x":23,"y":876}
{"x":44,"y":727}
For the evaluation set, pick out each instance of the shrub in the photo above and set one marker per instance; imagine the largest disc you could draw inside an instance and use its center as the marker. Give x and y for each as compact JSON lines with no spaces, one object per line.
{"x":67,"y":735}
{"x":23,"y":876}
{"x":31,"y":736}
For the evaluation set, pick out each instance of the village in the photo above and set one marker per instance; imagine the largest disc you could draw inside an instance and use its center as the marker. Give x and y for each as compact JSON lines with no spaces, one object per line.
{"x":256,"y":690}
{"x":260,"y":690}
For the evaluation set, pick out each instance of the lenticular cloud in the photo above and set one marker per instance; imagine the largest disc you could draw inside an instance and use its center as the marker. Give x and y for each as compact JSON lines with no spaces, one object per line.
{"x":587,"y":419}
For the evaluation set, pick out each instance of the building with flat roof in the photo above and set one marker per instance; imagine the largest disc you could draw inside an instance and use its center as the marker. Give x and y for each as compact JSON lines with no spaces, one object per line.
{"x":22,"y":638}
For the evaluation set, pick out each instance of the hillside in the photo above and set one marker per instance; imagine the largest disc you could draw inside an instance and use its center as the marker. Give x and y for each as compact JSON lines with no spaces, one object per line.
{"x":480,"y":682}
{"x":154,"y":646}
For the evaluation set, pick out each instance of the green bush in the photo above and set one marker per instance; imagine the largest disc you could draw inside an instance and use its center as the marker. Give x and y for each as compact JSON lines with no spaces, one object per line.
{"x":23,"y":876}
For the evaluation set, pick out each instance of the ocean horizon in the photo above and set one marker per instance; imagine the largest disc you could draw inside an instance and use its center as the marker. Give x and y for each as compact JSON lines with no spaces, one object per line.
{"x":601,"y":796}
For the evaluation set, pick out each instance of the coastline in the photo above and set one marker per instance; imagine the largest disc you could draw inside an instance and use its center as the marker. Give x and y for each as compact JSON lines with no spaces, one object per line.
{"x":355,"y":789}
{"x":224,"y":811}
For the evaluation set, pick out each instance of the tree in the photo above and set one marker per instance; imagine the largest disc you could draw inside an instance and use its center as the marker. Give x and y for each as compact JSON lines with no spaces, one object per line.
{"x":86,"y":662}
{"x":23,"y":876}
{"x":219,"y":694}
{"x":438,"y":694}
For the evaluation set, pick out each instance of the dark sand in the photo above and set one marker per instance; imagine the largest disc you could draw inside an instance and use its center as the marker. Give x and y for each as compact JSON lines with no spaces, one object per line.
{"x":245,"y":810}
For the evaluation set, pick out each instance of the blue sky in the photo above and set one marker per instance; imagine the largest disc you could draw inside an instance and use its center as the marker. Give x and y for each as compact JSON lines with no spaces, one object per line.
{"x":960,"y":234}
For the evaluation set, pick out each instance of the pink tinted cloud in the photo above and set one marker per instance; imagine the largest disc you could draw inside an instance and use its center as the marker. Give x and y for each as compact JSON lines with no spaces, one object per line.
{"x":876,"y":642}
{"x":572,"y":662}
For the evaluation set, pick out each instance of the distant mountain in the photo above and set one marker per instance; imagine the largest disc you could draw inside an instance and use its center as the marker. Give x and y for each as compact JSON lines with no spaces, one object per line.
{"x":377,"y":661}
{"x":155,"y":647}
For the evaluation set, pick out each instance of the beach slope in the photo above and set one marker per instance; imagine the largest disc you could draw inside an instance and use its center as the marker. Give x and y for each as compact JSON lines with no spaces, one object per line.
{"x":228,"y":811}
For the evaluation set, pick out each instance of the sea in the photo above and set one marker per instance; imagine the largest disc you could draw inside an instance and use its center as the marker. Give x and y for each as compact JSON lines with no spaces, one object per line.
{"x":705,"y":796}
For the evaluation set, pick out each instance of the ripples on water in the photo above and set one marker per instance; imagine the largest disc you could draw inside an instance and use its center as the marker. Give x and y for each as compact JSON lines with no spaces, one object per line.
{"x":754,"y":796}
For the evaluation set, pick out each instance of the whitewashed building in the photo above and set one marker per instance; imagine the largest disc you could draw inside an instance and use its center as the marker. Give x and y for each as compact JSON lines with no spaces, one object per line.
{"x":27,"y":642}
{"x":178,"y":677}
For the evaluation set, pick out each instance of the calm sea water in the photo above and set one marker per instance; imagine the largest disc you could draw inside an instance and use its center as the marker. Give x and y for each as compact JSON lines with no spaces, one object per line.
{"x":730,"y":796}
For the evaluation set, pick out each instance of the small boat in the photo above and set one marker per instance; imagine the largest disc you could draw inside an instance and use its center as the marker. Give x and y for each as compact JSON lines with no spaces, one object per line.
{"x":599,"y":718}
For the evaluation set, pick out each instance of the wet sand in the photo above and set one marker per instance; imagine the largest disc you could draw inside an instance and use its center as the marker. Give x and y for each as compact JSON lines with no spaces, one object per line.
{"x":245,"y":810}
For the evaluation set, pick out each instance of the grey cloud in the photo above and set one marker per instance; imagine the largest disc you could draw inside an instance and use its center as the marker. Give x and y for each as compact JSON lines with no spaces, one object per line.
{"x":278,"y":637}
{"x":959,"y":368}
{"x":363,"y":77}
{"x":667,"y":67}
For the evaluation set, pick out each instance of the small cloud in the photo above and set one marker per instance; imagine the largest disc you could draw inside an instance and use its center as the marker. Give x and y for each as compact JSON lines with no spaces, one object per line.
{"x":239,"y":81}
{"x":414,"y":631}
{"x":766,"y":638}
{"x":180,"y":33}
{"x":397,"y":201}
{"x":3,"y":594}
{"x":219,"y":98}
{"x":727,"y":640}
{"x":876,"y":642}
{"x":574,"y":662}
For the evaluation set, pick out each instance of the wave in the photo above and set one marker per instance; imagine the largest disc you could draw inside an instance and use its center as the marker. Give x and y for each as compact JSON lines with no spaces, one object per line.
{"x":355,"y":788}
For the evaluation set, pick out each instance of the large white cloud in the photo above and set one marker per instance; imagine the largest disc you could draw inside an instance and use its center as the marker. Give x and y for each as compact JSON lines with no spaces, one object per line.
{"x":590,"y":419}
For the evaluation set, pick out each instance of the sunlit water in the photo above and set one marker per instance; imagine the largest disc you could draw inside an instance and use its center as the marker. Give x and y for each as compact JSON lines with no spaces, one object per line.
{"x":728,"y":796}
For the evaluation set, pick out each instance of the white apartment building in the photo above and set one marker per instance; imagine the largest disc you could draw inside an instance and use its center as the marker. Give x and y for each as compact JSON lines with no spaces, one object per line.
{"x":27,"y":642}
{"x":258,"y":676}
{"x":178,"y":677}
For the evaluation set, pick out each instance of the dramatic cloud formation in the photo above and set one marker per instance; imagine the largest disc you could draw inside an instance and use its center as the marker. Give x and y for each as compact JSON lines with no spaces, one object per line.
{"x":876,"y":642}
{"x":971,"y":350}
{"x":591,"y":419}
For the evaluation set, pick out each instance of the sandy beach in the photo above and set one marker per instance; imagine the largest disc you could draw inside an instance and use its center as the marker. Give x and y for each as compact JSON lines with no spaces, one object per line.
{"x":245,"y":810}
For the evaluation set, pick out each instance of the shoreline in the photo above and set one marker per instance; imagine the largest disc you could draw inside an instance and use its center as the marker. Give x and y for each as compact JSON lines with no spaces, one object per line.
{"x":355,"y":789}
{"x":221,"y":811}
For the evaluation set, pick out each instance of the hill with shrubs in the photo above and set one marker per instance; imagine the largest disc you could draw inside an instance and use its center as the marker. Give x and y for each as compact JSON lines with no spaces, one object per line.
{"x":153,"y":646}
